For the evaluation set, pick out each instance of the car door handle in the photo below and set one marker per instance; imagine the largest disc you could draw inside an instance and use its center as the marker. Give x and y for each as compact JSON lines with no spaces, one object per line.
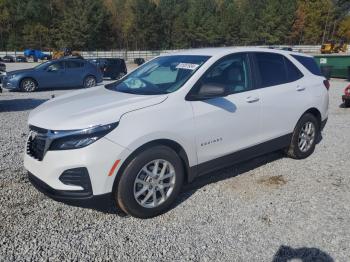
{"x":251,"y":99}
{"x":300,"y":88}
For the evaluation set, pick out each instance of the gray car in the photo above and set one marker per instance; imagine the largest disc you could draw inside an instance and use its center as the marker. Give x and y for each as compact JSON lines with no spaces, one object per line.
{"x":60,"y":73}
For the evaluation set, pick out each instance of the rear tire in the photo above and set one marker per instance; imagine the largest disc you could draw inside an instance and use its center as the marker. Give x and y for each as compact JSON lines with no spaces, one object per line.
{"x":305,"y":136}
{"x":89,"y":81}
{"x":150,"y":182}
{"x":28,"y":85}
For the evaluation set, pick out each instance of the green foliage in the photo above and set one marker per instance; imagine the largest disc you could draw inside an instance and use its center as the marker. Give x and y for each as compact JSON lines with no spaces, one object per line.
{"x":169,"y":24}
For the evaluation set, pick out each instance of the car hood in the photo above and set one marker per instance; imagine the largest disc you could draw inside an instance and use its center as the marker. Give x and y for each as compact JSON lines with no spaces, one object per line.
{"x":86,"y":108}
{"x":19,"y":71}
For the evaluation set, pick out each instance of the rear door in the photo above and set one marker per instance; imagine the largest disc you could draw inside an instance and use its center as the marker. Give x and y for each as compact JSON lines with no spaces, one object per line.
{"x":283,"y":96}
{"x":74,"y":73}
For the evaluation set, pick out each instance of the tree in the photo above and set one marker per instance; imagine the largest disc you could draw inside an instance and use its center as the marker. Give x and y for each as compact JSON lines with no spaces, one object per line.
{"x":84,"y":25}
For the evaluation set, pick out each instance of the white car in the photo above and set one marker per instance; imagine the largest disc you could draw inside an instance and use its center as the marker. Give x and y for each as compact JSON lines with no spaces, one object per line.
{"x":178,"y":116}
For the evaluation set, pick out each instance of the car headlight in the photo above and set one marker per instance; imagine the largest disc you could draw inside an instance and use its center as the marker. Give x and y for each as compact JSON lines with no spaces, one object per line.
{"x":65,"y":140}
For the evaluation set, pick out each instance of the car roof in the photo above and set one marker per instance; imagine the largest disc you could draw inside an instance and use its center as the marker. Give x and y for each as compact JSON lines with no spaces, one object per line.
{"x":222,"y":51}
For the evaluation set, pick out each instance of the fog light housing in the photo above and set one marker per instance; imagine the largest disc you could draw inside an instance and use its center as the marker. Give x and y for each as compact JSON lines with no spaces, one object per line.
{"x":77,"y":177}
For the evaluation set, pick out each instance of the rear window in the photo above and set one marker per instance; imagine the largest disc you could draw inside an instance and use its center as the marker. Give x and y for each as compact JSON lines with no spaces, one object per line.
{"x":309,"y":63}
{"x":272,"y":69}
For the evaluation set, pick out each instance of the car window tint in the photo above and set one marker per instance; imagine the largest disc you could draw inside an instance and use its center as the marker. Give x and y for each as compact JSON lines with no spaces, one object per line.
{"x":231,"y":72}
{"x":272,"y":69}
{"x":114,"y":61}
{"x":56,"y":66}
{"x":293,"y":72}
{"x":74,"y":64}
{"x":309,"y":63}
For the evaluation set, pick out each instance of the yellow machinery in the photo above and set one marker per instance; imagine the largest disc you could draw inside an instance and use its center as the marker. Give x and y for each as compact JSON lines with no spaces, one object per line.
{"x":65,"y":52}
{"x":331,"y":47}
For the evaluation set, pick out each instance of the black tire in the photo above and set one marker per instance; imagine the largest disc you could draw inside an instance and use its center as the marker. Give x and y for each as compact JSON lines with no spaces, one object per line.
{"x":347,"y":103}
{"x":124,"y":194}
{"x":89,"y":81}
{"x":116,"y":77}
{"x":28,"y":85}
{"x":294,"y":150}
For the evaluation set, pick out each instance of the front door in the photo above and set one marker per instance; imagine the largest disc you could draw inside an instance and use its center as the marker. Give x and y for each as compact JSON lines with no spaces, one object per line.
{"x":228,"y":124}
{"x":53,"y":76}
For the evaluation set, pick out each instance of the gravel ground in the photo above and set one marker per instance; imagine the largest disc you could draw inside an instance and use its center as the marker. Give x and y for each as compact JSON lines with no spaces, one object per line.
{"x":269,"y":209}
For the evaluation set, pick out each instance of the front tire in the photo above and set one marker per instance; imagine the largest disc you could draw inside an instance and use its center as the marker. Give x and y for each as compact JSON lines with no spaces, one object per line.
{"x":304,"y":138}
{"x":28,"y":85}
{"x":89,"y":81}
{"x":150,"y":182}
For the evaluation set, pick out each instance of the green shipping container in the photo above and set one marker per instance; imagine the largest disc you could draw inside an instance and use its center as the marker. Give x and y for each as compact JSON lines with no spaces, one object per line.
{"x":339,"y":64}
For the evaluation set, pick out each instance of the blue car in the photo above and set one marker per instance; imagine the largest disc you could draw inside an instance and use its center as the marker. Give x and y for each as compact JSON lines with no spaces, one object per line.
{"x":60,"y":73}
{"x":36,"y":54}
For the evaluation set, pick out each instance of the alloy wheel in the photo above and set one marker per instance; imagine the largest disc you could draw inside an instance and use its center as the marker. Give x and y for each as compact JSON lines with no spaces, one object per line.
{"x":306,"y":136}
{"x":28,"y":85}
{"x":90,"y":82}
{"x":154,"y":183}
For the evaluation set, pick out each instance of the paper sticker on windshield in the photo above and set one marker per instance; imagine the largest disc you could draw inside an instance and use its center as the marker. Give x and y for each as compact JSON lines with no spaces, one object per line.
{"x":187,"y":66}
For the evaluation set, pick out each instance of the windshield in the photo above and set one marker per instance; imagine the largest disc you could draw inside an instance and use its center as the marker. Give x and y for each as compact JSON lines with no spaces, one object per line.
{"x":43,"y":65}
{"x":162,"y":75}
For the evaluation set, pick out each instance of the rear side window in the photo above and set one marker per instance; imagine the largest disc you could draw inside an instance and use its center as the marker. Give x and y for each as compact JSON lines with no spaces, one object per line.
{"x":272,"y":69}
{"x":74,"y":64}
{"x":293,"y":72}
{"x":309,"y":63}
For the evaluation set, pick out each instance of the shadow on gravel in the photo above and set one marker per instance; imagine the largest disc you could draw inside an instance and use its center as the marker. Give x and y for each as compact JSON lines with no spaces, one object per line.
{"x":304,"y":254}
{"x":223,"y":174}
{"x":15,"y":105}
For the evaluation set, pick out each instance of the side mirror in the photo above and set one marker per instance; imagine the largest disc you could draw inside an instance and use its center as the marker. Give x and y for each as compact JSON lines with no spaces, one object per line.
{"x":208,"y":91}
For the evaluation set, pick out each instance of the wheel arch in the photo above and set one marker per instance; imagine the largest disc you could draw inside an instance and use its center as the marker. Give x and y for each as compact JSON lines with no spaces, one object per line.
{"x":165,"y":142}
{"x":316,"y":113}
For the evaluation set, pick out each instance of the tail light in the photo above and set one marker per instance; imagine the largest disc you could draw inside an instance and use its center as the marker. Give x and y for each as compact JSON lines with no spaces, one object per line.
{"x":326,"y":84}
{"x":347,"y":91}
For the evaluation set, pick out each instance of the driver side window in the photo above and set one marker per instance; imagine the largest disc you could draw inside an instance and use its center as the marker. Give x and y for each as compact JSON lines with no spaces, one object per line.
{"x":55,"y":67}
{"x":232,"y":72}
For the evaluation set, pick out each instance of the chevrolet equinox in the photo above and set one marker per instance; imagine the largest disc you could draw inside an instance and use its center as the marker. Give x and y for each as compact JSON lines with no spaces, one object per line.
{"x":138,"y":140}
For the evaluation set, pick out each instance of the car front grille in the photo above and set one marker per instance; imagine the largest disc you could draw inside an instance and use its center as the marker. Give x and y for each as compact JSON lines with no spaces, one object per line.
{"x":36,"y":142}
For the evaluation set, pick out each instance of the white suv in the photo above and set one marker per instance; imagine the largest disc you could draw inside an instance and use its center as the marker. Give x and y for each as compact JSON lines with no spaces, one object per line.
{"x":181,"y":115}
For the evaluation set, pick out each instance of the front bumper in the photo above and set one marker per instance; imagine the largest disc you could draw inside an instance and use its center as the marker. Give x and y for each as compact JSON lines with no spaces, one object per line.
{"x":99,"y":202}
{"x":98,"y":159}
{"x":10,"y":83}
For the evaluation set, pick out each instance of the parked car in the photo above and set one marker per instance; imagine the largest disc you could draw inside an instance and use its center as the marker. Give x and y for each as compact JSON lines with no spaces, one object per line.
{"x":139,"y":61}
{"x":36,"y":55}
{"x":114,"y":68}
{"x":8,"y":59}
{"x":2,"y":67}
{"x":346,"y":97}
{"x":2,"y":73}
{"x":178,"y":116}
{"x":58,"y":73}
{"x":21,"y":59}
